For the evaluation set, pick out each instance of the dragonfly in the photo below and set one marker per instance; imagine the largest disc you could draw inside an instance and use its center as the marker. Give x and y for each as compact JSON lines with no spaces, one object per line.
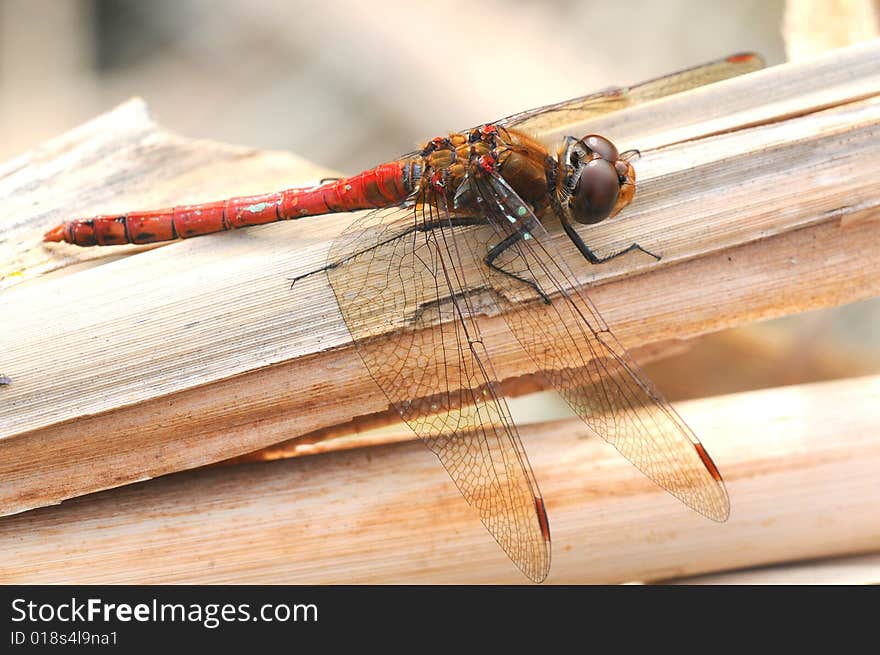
{"x":457,"y":229}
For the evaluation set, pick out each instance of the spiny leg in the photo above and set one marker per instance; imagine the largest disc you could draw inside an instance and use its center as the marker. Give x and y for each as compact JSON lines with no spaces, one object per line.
{"x":496,"y":252}
{"x":590,"y":256}
{"x":462,"y":221}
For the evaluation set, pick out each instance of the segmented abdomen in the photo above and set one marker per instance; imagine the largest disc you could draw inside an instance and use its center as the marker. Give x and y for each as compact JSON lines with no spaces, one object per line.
{"x":384,"y":185}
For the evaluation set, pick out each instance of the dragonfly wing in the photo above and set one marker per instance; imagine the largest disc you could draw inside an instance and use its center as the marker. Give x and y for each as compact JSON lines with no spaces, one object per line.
{"x":571,"y":343}
{"x":399,"y":278}
{"x":557,"y":116}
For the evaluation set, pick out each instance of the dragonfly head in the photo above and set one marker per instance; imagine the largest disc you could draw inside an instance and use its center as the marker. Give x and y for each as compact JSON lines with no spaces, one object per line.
{"x":594,"y":181}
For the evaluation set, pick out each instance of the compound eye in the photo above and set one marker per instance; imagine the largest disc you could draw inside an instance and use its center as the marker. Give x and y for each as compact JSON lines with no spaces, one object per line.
{"x":601,"y":146}
{"x":595,"y":193}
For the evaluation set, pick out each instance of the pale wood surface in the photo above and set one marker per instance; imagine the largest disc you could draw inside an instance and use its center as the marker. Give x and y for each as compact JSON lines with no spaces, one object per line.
{"x":800,"y":463}
{"x":759,"y":192}
{"x":857,"y":569}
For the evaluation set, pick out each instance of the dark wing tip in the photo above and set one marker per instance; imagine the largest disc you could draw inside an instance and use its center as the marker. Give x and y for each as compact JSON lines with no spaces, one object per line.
{"x":747,"y":57}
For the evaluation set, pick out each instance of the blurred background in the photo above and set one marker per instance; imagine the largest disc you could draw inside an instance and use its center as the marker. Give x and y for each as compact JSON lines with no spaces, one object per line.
{"x":346,"y":84}
{"x":350,"y":84}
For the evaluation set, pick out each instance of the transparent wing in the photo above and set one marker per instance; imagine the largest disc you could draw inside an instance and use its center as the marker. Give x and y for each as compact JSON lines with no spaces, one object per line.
{"x":399,"y":276}
{"x":569,"y":341}
{"x":557,"y":116}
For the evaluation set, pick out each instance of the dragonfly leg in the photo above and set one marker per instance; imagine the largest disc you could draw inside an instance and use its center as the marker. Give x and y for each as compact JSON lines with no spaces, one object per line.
{"x":458,"y":221}
{"x":499,"y":248}
{"x":590,"y":256}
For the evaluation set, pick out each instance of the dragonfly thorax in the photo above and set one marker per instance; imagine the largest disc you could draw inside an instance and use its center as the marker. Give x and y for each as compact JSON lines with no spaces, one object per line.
{"x":523,"y":162}
{"x":588,"y":182}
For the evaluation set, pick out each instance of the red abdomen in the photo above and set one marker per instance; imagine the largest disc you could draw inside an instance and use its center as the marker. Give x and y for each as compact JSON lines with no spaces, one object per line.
{"x":384,"y":185}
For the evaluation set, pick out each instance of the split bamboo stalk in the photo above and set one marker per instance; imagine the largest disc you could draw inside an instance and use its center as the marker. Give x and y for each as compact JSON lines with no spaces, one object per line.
{"x":760,"y":193}
{"x":800,"y":464}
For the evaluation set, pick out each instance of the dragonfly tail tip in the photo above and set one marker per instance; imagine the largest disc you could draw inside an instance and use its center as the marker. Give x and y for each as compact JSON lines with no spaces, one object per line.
{"x":55,"y":234}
